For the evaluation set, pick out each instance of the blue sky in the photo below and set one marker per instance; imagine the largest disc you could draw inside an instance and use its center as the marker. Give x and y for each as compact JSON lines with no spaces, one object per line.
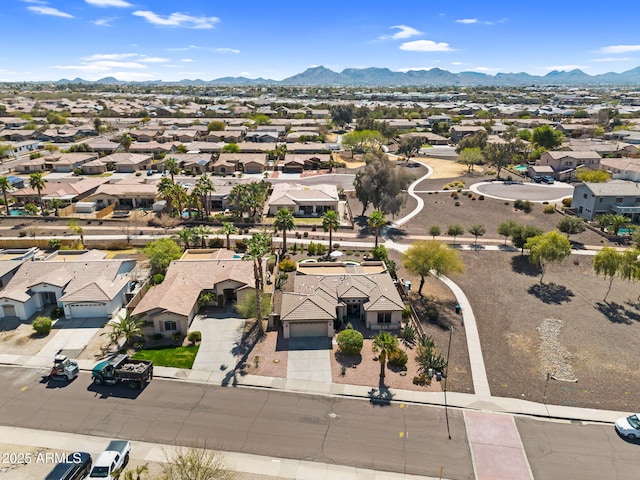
{"x":207,"y":39}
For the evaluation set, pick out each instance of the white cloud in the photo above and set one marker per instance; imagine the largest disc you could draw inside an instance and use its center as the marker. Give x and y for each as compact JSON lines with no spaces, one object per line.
{"x":104,"y":22}
{"x":177,"y":19}
{"x":108,"y":3}
{"x":615,"y":49}
{"x":467,"y":21}
{"x":425,"y":46}
{"x":153,"y":59}
{"x":486,"y":69}
{"x":612,"y":59}
{"x":186,"y":60}
{"x":404,"y":32}
{"x":227,"y":50}
{"x":182,"y":49}
{"x":54,"y":12}
{"x":109,"y":56}
{"x":460,"y":63}
{"x":245,"y":74}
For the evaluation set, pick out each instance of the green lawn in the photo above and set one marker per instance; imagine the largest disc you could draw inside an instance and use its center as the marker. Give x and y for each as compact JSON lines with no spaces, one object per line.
{"x":179,"y":357}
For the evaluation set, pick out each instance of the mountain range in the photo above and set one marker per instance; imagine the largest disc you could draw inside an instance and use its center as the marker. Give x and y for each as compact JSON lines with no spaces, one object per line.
{"x":322,"y":76}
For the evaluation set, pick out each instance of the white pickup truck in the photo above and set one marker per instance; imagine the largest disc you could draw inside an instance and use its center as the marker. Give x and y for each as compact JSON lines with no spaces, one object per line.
{"x":111,"y":462}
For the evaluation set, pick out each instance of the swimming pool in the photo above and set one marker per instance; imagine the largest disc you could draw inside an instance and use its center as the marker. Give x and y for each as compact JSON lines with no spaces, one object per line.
{"x":520,"y":168}
{"x":18,"y":212}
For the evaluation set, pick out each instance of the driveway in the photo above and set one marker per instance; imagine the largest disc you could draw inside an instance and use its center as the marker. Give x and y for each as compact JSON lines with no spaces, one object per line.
{"x":73,"y":336}
{"x":309,"y":359}
{"x":533,"y":192}
{"x":221,"y":334}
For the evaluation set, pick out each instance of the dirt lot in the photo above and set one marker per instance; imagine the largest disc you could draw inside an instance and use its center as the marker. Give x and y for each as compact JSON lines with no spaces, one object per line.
{"x":19,"y":338}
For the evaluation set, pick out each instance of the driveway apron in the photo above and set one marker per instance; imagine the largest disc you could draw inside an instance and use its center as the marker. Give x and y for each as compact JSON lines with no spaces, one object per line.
{"x":309,"y":359}
{"x":221,"y":336}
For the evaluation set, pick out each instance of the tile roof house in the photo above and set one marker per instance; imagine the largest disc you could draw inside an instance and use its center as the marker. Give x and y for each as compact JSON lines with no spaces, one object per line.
{"x":172,"y":305}
{"x":304,"y":200}
{"x":129,"y":162}
{"x":127,"y":194}
{"x":296,"y":163}
{"x":83,"y":288}
{"x":68,"y":162}
{"x":339,"y":292}
{"x":617,"y":196}
{"x":622,"y":168}
{"x":63,"y":189}
{"x":564,"y":163}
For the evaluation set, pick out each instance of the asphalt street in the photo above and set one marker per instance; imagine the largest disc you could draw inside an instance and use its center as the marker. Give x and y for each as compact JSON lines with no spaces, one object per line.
{"x":385,"y":436}
{"x":381,"y":435}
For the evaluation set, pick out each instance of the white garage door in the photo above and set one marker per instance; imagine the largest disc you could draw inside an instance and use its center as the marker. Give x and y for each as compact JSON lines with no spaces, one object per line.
{"x":308,"y":329}
{"x":87,"y":310}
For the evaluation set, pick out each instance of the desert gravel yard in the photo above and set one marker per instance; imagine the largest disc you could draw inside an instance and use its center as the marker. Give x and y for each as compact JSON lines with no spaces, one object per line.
{"x":561,"y":327}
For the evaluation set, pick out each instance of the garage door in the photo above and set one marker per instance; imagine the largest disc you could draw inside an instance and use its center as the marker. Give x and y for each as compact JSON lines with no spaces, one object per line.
{"x":308,"y":329}
{"x":87,"y":310}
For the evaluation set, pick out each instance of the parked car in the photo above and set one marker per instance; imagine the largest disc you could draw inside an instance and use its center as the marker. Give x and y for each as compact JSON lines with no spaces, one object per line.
{"x":537,"y":179}
{"x":113,"y":459}
{"x":629,"y":427}
{"x":77,"y":466}
{"x":548,"y":179}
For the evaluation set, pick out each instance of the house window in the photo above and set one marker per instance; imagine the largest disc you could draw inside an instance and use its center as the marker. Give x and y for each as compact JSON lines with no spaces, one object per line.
{"x":584,"y":195}
{"x":170,"y":325}
{"x":600,"y":199}
{"x":618,"y":199}
{"x":384,"y":317}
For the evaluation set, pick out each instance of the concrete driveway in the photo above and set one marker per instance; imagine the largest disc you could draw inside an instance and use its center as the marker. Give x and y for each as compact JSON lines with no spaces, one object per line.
{"x":73,"y":336}
{"x":221,"y":334}
{"x":308,"y":359}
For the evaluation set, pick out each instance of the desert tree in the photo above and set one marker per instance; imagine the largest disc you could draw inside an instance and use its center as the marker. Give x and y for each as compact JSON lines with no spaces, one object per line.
{"x":426,"y":257}
{"x":550,"y":247}
{"x":607,"y":262}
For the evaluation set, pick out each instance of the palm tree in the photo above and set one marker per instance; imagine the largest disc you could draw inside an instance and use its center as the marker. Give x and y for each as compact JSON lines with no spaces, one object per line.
{"x":257,"y":248}
{"x":36,"y":181}
{"x":178,"y":198}
{"x":236,"y":197}
{"x":126,"y":141}
{"x":376,"y":221}
{"x":614,"y":220}
{"x":56,"y":204}
{"x":202,"y":232}
{"x":186,"y":235}
{"x":127,"y":326}
{"x":385,"y":343}
{"x":172,"y":165}
{"x":228,"y":229}
{"x":284,"y":221}
{"x":205,"y":187}
{"x":330,"y":222}
{"x":5,"y":186}
{"x":77,"y":229}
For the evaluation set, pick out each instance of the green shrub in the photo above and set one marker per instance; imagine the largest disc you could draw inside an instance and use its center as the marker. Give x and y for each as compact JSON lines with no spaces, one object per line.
{"x":350,"y":341}
{"x":336,"y":246}
{"x":241,"y":245}
{"x":524,"y":205}
{"x":216,"y":243}
{"x":287,"y":265}
{"x":57,"y":313}
{"x":432,"y":314}
{"x":406,"y":313}
{"x":158,"y":336}
{"x":398,"y":358}
{"x":42,"y":325}
{"x":157,"y":279}
{"x":195,"y":336}
{"x":566,"y":202}
{"x":54,"y":244}
{"x":481,"y":197}
{"x":321,"y":249}
{"x":549,"y":209}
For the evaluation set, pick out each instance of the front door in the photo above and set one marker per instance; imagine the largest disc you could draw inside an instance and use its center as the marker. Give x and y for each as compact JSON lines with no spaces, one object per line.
{"x":8,"y":311}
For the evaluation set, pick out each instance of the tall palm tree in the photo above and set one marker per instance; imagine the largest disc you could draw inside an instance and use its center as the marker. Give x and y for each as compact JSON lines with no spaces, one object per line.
{"x":37,"y":182}
{"x":178,"y":198}
{"x":129,"y":327}
{"x":77,"y":229}
{"x":257,"y":248}
{"x":330,"y":222}
{"x":172,"y":165}
{"x":615,"y":221}
{"x":236,"y":197}
{"x":205,"y":188}
{"x":284,"y":221}
{"x":228,"y":229}
{"x":376,"y":221}
{"x":385,"y":343}
{"x":5,"y":186}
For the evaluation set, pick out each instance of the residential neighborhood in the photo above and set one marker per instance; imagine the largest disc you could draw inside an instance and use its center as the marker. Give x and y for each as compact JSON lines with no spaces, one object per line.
{"x":381,"y":245}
